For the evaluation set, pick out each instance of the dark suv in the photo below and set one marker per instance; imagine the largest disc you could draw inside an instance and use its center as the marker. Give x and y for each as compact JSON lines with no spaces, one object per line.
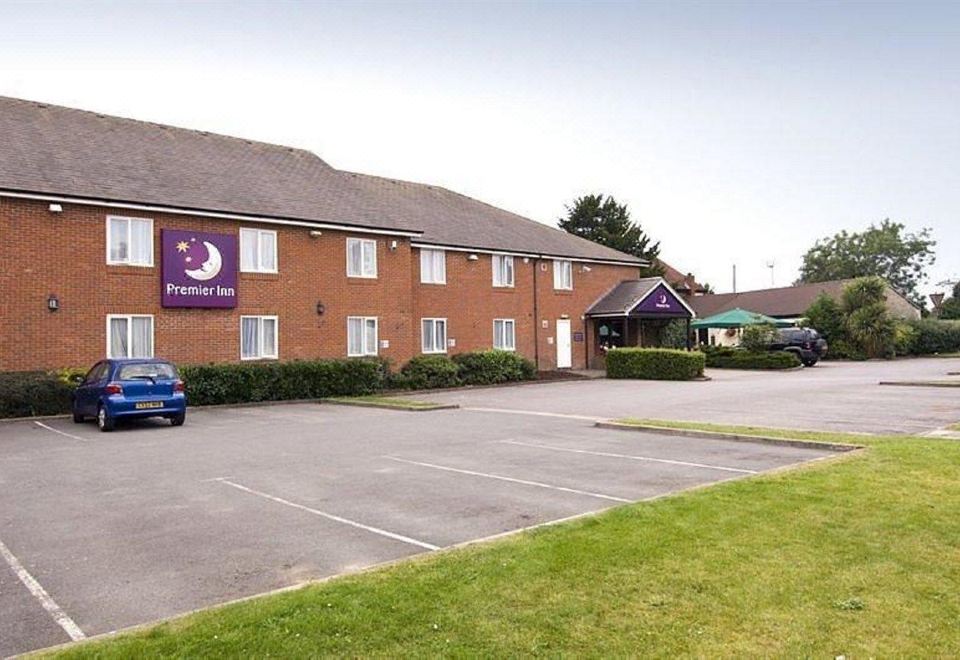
{"x":806,"y":343}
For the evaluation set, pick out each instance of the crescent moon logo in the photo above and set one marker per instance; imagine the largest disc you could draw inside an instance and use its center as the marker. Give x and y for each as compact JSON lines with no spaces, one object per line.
{"x":209,"y":268}
{"x":663,"y":299}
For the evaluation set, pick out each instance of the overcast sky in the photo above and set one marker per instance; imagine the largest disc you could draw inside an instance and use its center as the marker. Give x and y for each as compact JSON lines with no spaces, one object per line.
{"x":736,"y":132}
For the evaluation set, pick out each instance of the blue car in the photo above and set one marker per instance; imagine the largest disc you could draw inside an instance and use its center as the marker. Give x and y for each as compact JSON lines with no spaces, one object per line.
{"x":130,"y":388}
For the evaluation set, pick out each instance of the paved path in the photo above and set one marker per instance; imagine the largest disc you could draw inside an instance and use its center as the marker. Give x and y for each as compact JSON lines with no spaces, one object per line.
{"x":834,"y":396}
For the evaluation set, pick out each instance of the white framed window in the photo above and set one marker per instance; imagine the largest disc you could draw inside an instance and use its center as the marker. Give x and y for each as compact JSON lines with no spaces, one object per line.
{"x":129,"y":241}
{"x":433,"y":333}
{"x":563,"y":275}
{"x":502,"y":270}
{"x":361,"y":257}
{"x":361,"y":336}
{"x":504,"y":334}
{"x":433,"y":266}
{"x":258,"y":338}
{"x":258,"y":251}
{"x":129,"y":336}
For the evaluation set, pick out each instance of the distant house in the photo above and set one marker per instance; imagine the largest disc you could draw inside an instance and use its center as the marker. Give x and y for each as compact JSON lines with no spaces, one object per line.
{"x":685,"y":285}
{"x":789,"y":303}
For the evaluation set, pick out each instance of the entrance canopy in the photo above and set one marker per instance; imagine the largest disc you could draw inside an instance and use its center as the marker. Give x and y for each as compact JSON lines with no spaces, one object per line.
{"x":737,"y":318}
{"x":649,"y":298}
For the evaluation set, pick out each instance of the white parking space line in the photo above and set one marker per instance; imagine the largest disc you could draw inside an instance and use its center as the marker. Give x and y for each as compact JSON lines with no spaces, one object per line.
{"x":500,"y":477}
{"x":38,"y":592}
{"x":330,"y":516}
{"x":627,"y":456}
{"x":58,"y":432}
{"x":535,"y":413}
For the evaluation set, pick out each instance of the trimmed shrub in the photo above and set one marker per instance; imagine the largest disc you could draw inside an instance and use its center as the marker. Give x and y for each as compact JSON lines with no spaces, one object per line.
{"x":279,"y":381}
{"x":935,"y":336}
{"x":757,"y":337}
{"x":731,"y":358}
{"x":27,"y":393}
{"x":491,"y":367}
{"x":427,"y":372}
{"x":654,"y":363}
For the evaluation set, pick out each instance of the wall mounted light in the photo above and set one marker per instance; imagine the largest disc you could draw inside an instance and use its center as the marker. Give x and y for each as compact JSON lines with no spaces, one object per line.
{"x":55,"y":208}
{"x":53,"y":303}
{"x":526,"y":260}
{"x":316,"y":233}
{"x":393,"y":245}
{"x":473,"y":257}
{"x":585,"y":268}
{"x":320,"y":308}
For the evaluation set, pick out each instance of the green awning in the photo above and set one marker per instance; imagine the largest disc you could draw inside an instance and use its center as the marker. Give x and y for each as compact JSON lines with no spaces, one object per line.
{"x":737,"y":318}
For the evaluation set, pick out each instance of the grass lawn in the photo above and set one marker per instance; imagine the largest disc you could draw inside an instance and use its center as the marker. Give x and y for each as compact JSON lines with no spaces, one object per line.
{"x":855,"y":556}
{"x":379,"y":401}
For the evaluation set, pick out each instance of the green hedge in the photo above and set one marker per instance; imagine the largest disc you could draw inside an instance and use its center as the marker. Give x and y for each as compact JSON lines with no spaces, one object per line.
{"x":733,"y":358}
{"x":426,"y":372}
{"x":280,"y":381}
{"x":492,"y":367}
{"x":930,"y":336}
{"x":28,"y":393}
{"x":654,"y":363}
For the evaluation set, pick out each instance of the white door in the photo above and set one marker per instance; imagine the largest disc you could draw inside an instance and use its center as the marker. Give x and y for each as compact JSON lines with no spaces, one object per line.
{"x":564,"y":348}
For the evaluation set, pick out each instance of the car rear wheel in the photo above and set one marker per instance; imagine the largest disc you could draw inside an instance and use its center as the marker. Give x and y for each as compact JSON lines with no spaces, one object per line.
{"x":104,"y":422}
{"x":809,"y":363}
{"x":178,"y":420}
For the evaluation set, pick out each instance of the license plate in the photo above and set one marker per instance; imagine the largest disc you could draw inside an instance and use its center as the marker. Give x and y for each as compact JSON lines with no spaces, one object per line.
{"x":148,"y":404}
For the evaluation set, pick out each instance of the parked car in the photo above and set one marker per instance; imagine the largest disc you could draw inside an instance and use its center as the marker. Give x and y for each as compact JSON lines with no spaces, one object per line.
{"x":130,"y":388}
{"x":806,"y":343}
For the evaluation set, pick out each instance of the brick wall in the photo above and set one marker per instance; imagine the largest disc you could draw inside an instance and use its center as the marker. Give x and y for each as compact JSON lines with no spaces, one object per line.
{"x":64,"y":254}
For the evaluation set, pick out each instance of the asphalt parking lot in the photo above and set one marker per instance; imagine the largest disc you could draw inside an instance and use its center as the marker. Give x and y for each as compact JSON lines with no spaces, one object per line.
{"x":103,"y":531}
{"x":832,"y":396}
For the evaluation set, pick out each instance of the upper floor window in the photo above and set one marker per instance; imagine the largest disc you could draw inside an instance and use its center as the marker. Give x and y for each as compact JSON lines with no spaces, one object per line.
{"x":433,"y":266}
{"x":258,"y":337}
{"x":361,"y":336}
{"x":129,"y":241}
{"x":434,"y":335}
{"x":361,"y":257}
{"x":258,"y":251}
{"x":563,"y":274}
{"x":129,"y":336}
{"x":502,"y":270}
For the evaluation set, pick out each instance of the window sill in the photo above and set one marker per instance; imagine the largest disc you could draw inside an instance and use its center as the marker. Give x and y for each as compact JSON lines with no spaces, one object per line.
{"x":504,"y":289}
{"x":259,"y":359}
{"x":362,"y":355}
{"x":259,"y":275}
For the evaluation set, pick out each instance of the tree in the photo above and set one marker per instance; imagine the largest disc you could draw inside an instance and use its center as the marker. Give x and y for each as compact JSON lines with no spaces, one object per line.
{"x":887,"y":251}
{"x":858,"y":326}
{"x":950,"y":309}
{"x":601,"y":219}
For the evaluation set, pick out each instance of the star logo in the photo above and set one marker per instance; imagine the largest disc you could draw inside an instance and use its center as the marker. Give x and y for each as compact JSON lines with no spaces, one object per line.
{"x":182,"y":247}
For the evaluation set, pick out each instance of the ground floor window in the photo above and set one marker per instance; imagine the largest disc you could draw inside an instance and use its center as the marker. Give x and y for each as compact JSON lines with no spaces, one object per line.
{"x":434,"y":335}
{"x":361,"y":336}
{"x":504,"y":335}
{"x":129,"y":335}
{"x":258,"y":337}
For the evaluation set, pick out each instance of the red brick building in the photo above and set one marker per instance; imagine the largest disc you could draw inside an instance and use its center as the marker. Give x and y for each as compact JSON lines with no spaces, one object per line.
{"x":114,"y":233}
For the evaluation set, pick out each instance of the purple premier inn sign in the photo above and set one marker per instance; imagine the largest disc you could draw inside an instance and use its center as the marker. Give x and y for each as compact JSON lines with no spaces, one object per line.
{"x":198,"y":269}
{"x":662,"y":301}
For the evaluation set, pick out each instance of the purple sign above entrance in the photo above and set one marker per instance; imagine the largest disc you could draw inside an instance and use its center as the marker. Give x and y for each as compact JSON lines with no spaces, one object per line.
{"x":198,"y":269}
{"x":661,"y":301}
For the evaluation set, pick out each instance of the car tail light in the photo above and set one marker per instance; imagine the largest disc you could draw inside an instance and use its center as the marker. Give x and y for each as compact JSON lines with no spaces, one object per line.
{"x":113,"y":388}
{"x":178,"y":386}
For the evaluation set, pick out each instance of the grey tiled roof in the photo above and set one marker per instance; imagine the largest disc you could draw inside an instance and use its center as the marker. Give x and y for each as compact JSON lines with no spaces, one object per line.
{"x":53,"y":150}
{"x":449,"y":218}
{"x":62,"y":151}
{"x":623,"y":297}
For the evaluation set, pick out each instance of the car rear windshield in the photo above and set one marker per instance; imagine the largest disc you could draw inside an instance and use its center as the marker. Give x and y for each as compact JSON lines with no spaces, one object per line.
{"x":154,"y":370}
